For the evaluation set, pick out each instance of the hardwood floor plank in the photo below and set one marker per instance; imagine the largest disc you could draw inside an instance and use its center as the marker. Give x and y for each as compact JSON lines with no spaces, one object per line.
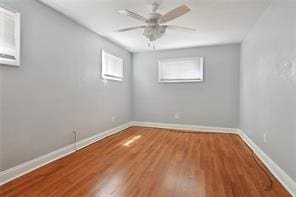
{"x":143,"y":162}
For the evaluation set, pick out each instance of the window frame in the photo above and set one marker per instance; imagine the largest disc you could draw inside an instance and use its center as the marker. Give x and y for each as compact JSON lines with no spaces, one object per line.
{"x":201,"y":59}
{"x":105,"y":75}
{"x":17,"y":33}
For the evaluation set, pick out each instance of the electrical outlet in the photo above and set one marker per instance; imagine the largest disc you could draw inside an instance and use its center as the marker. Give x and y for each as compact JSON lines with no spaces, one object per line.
{"x":176,"y":116}
{"x":264,"y":137}
{"x":113,"y":119}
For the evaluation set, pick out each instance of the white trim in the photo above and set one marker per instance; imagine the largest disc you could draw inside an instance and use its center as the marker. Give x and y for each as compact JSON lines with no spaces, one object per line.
{"x":180,"y":81}
{"x":279,"y":173}
{"x":24,"y":168}
{"x":185,"y":127}
{"x":29,"y":166}
{"x":18,"y":39}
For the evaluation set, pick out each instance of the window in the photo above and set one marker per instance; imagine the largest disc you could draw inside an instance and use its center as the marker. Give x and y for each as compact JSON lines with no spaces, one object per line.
{"x":112,"y":67}
{"x":181,"y":70}
{"x":9,"y":37}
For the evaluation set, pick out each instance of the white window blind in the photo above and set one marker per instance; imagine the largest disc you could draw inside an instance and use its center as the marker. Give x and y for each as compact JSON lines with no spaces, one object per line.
{"x":112,"y":67}
{"x":9,"y":37}
{"x":181,"y":70}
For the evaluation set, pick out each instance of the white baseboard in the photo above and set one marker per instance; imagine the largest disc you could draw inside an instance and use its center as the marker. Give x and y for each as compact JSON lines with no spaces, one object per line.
{"x":24,"y":168}
{"x":186,"y":127}
{"x":29,"y":166}
{"x":279,"y":173}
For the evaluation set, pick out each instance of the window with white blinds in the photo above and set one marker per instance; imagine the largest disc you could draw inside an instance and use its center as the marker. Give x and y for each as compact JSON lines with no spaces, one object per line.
{"x":181,"y":70}
{"x":9,"y":37}
{"x":112,"y":67}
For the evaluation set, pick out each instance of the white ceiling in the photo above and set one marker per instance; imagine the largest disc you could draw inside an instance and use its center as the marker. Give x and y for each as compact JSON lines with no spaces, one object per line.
{"x":216,"y":21}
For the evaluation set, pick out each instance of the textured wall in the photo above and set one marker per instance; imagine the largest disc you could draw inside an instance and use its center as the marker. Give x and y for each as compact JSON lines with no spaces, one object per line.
{"x":268,"y":85}
{"x":213,"y":102}
{"x":58,"y":86}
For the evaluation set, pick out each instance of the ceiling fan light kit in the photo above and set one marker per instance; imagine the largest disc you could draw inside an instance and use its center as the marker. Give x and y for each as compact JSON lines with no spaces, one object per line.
{"x":153,"y":32}
{"x":154,"y":29}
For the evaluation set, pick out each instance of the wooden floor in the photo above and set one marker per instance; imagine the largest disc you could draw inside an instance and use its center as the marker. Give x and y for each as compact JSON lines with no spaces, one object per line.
{"x":151,"y":162}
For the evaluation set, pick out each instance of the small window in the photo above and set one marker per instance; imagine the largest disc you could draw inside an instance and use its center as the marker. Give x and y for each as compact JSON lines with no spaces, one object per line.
{"x":181,"y":70}
{"x":9,"y":37}
{"x":112,"y":67}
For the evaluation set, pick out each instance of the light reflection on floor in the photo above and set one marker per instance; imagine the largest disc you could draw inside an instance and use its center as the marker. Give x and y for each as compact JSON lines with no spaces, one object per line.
{"x":187,"y":185}
{"x":129,"y":142}
{"x":110,"y":186}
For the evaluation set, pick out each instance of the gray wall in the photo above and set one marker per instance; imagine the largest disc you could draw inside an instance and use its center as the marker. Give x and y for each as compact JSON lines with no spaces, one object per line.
{"x":58,"y":86}
{"x":211,"y":103}
{"x":268,"y":85}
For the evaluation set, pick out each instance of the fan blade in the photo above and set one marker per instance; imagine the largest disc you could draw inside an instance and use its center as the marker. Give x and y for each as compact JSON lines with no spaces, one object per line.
{"x":133,"y":15}
{"x":130,"y":28}
{"x":179,"y":11}
{"x":179,"y":28}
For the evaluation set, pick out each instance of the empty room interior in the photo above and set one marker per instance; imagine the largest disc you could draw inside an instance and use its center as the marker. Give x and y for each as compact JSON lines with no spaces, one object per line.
{"x":148,"y":98}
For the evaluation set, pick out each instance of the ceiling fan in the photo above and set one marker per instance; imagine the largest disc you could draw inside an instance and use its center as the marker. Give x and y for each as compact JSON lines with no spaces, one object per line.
{"x":154,"y":28}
